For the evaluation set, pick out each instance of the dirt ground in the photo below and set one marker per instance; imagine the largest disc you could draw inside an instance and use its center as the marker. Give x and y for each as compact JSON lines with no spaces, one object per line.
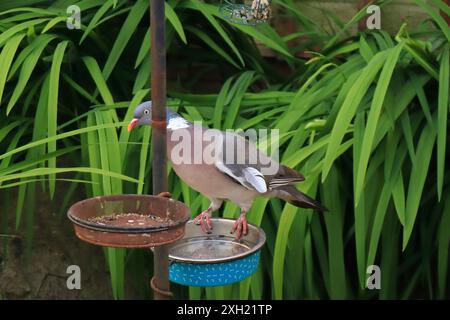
{"x":55,"y":247}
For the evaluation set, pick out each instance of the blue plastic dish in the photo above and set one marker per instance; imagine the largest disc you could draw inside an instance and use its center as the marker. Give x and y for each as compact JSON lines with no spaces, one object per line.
{"x":215,"y":259}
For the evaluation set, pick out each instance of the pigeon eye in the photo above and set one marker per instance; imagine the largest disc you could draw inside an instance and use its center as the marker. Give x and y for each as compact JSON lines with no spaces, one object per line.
{"x":146,"y":111}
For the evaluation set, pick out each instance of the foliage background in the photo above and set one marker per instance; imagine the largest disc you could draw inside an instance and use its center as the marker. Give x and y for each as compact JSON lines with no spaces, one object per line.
{"x":364,"y":116}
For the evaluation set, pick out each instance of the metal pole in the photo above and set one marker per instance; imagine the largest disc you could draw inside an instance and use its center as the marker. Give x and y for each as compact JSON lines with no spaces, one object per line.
{"x":158,"y":81}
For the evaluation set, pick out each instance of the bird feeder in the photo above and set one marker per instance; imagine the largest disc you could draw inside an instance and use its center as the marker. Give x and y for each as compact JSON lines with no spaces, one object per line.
{"x":246,"y":11}
{"x":182,"y":252}
{"x":132,"y":221}
{"x":129,"y":221}
{"x":216,"y":258}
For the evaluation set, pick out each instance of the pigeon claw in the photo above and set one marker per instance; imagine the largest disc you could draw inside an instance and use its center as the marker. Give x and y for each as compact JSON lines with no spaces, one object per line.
{"x":240,"y":227}
{"x":204,"y":220}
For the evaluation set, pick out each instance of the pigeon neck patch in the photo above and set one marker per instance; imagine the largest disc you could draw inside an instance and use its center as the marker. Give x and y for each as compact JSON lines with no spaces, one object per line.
{"x":178,"y":122}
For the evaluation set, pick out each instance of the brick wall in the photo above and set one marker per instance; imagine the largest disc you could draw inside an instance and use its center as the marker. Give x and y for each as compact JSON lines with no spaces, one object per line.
{"x":392,"y":15}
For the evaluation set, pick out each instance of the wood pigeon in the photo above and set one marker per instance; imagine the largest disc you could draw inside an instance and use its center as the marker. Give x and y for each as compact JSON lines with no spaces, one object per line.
{"x":218,"y":174}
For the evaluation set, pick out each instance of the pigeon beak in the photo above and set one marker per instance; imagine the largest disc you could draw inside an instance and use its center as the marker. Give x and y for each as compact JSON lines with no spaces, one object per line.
{"x":133,"y":123}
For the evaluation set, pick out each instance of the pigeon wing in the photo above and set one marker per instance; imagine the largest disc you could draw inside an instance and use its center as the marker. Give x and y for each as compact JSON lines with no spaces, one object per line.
{"x":247,"y":176}
{"x":238,"y":159}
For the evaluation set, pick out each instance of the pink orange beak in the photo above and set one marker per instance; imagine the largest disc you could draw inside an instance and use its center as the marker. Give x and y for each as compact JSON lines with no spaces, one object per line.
{"x":133,"y":123}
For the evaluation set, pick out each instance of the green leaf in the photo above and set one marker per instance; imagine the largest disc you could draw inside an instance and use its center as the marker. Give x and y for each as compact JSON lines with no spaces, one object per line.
{"x":374,"y":116}
{"x":175,"y":21}
{"x":104,"y":156}
{"x":335,"y":228}
{"x":440,"y":21}
{"x":6,"y":57}
{"x":143,"y":159}
{"x":61,"y":136}
{"x":28,"y":9}
{"x":241,"y":85}
{"x":398,"y":195}
{"x":443,"y":112}
{"x":78,"y":88}
{"x":442,"y":6}
{"x":206,"y":11}
{"x":408,"y":134}
{"x":210,"y":42}
{"x":93,"y":154}
{"x":349,"y":107}
{"x":6,"y":169}
{"x":20,"y":204}
{"x":265,"y":39}
{"x":144,"y":50}
{"x":27,"y":68}
{"x":286,"y":220}
{"x":52,"y":23}
{"x":53,"y":171}
{"x":129,"y":26}
{"x":361,"y":13}
{"x":96,"y":18}
{"x":37,"y":42}
{"x":116,"y":263}
{"x":220,"y":103}
{"x":142,"y":78}
{"x":443,"y":248}
{"x":28,"y":181}
{"x":378,"y":221}
{"x":420,"y":55}
{"x":94,"y":71}
{"x":299,"y":95}
{"x":419,"y":174}
{"x":124,"y":134}
{"x":361,"y":216}
{"x":364,"y":49}
{"x":53,"y":105}
{"x":4,"y":36}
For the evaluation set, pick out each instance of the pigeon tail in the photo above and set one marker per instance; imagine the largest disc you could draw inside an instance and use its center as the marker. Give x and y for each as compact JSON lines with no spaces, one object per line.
{"x":297,"y":198}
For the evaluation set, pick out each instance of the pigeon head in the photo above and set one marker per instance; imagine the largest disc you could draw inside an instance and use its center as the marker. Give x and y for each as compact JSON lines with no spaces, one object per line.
{"x":143,"y":116}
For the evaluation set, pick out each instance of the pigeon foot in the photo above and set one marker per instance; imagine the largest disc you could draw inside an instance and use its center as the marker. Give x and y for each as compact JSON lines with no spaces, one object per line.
{"x":240,"y":226}
{"x":204,"y":220}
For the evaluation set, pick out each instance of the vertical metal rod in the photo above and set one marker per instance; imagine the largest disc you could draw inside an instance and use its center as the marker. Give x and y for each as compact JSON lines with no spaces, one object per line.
{"x":158,"y":82}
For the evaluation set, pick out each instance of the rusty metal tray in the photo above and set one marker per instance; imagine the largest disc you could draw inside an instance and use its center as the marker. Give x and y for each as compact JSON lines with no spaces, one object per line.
{"x":130,"y":221}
